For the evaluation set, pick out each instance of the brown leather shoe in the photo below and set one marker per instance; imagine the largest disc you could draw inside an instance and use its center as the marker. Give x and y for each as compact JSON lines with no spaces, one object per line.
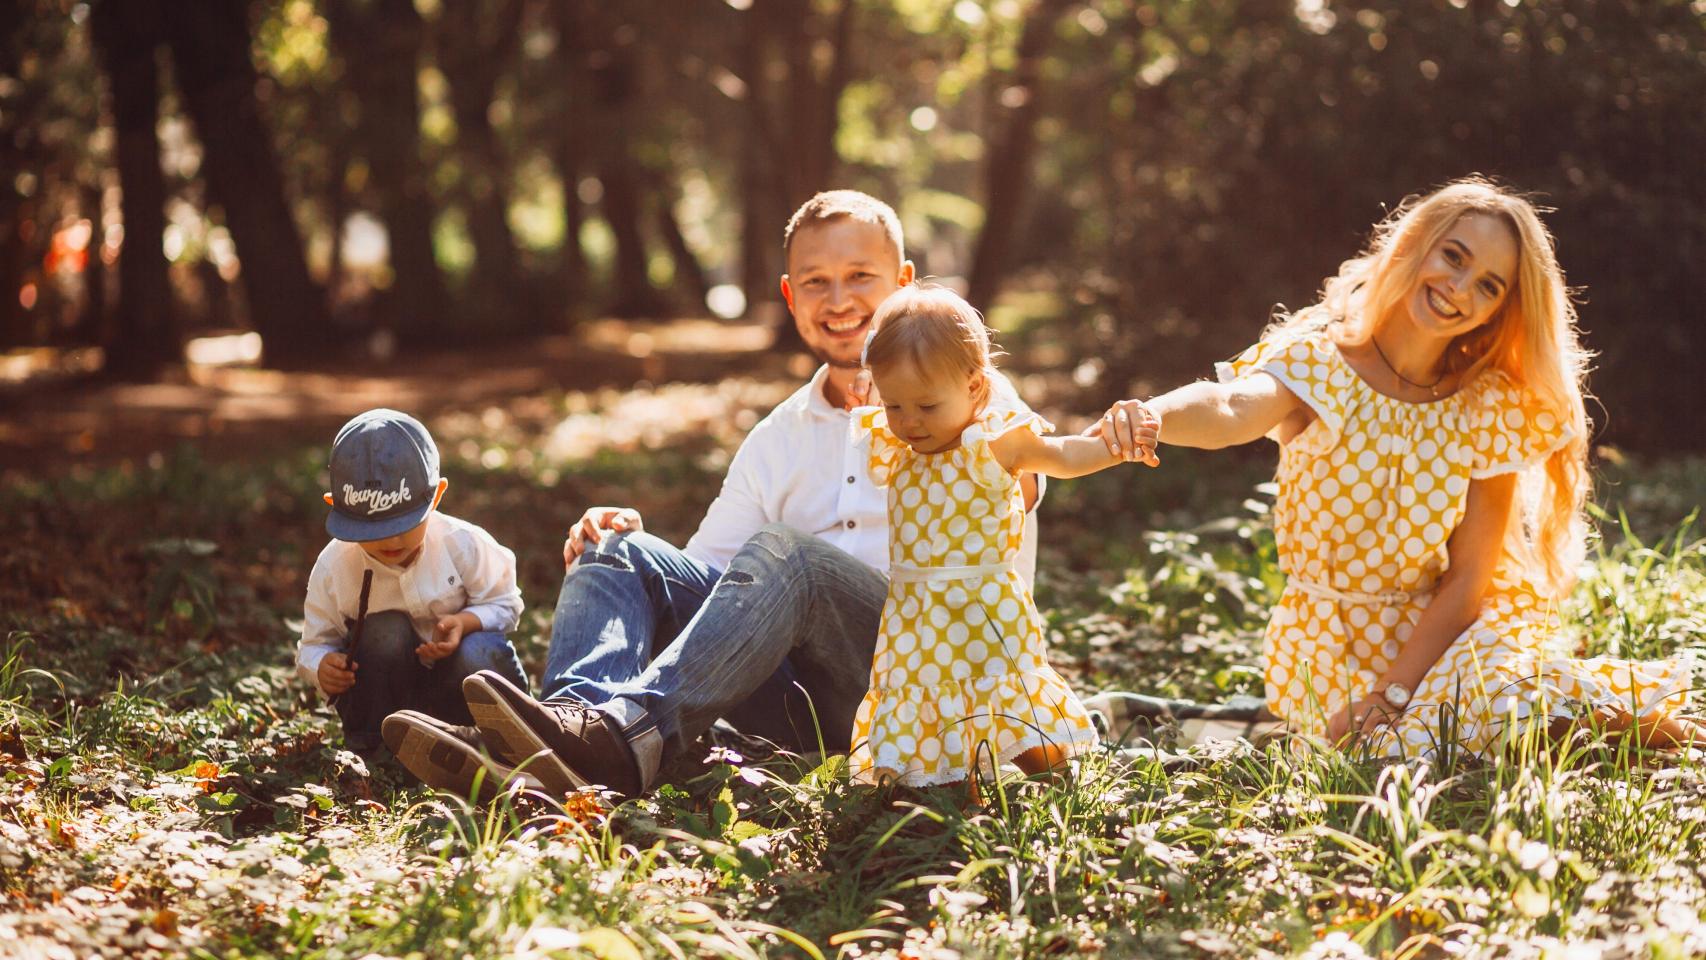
{"x":565,"y":744}
{"x":448,"y":757}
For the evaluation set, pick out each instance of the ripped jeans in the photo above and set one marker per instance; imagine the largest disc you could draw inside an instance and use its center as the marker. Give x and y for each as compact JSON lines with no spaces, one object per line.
{"x":779,"y":644}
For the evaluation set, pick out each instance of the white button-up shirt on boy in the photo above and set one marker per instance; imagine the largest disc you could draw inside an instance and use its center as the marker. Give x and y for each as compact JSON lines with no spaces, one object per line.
{"x":799,"y":467}
{"x":460,"y":569}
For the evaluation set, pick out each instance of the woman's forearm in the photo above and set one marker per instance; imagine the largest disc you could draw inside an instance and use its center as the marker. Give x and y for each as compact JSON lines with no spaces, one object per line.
{"x":1214,"y":415}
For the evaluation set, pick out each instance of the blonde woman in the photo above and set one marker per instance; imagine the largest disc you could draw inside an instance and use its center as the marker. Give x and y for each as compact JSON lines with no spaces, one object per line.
{"x":1432,"y":475}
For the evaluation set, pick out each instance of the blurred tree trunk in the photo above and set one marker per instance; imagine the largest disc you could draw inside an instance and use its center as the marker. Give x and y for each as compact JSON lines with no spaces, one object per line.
{"x":689,"y":274}
{"x":380,"y":42}
{"x":570,"y":152}
{"x":145,"y":336}
{"x":813,"y":95}
{"x":792,"y":151}
{"x":615,"y":94}
{"x":210,"y":54}
{"x":760,"y":234}
{"x":478,"y":42}
{"x":92,"y":321}
{"x":1008,"y":158}
{"x":17,"y":153}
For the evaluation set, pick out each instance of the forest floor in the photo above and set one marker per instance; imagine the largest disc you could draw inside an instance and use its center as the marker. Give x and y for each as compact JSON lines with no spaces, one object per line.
{"x":168,"y":787}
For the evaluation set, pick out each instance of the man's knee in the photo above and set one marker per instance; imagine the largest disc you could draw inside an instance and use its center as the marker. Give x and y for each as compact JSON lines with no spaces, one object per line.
{"x":783,"y":542}
{"x":624,"y":552}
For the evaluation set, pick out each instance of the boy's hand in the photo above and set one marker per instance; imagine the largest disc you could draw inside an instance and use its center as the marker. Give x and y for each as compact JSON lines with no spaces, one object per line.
{"x":1131,"y":431}
{"x":591,"y":527}
{"x":336,"y":673}
{"x":446,"y":637}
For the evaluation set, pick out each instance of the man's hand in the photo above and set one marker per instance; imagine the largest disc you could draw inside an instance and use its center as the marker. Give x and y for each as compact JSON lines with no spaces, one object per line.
{"x":336,"y":673}
{"x":446,"y":637}
{"x":862,"y":392}
{"x":1365,"y":715}
{"x":1130,"y":430}
{"x":590,"y":529}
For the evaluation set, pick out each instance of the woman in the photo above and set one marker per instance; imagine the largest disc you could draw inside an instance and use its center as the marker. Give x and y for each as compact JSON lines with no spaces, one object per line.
{"x":1432,"y":475}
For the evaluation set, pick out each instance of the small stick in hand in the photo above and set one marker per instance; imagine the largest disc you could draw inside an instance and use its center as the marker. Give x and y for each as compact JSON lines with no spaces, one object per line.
{"x":360,"y":621}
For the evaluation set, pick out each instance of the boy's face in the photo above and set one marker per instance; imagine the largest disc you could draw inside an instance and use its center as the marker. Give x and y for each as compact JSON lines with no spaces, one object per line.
{"x":839,"y":271}
{"x":400,"y":550}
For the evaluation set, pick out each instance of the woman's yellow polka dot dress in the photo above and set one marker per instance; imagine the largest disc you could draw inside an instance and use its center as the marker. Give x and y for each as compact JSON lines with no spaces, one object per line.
{"x":1369,"y":494}
{"x":961,"y":675}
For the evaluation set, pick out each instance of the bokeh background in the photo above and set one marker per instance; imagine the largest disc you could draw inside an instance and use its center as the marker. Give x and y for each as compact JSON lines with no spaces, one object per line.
{"x":1127,"y":188}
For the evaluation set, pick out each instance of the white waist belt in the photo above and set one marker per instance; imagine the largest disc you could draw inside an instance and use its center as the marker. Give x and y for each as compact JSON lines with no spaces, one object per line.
{"x":1323,"y":592}
{"x":905,"y":574}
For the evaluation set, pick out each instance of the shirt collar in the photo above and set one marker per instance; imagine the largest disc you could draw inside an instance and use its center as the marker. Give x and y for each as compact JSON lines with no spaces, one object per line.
{"x":816,"y":403}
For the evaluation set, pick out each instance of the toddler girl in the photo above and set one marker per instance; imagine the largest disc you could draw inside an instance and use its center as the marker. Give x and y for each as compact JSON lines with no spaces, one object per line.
{"x":961,"y":670}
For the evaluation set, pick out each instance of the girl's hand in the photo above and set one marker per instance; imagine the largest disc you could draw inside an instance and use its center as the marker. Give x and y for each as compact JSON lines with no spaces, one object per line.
{"x":1364,"y":716}
{"x":446,"y":637}
{"x":591,"y":527}
{"x":1131,"y":430}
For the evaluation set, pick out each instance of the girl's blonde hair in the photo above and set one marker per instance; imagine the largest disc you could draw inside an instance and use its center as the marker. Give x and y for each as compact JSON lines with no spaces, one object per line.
{"x":1532,"y":339}
{"x":935,"y":330}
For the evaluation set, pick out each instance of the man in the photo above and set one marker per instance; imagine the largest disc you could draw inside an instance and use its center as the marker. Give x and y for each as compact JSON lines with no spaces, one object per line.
{"x":768,"y":617}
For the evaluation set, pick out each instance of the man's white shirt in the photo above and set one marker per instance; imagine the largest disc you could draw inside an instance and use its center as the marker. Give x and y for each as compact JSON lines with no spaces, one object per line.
{"x":800,"y":467}
{"x":461,"y":568}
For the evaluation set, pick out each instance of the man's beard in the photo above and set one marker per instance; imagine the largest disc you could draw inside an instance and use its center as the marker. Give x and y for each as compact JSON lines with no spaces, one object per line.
{"x":835,"y":362}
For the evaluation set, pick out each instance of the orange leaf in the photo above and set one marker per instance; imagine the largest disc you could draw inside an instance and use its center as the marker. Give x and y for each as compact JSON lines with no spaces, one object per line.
{"x":165,"y":922}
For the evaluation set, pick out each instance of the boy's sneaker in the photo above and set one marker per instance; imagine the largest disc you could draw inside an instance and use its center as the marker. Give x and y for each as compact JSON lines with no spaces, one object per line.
{"x":566,"y":744}
{"x":449,"y":757}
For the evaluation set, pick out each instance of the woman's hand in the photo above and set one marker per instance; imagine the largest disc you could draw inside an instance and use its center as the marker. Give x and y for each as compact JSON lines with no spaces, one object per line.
{"x":1364,"y":716}
{"x":591,"y":526}
{"x":1130,"y":430}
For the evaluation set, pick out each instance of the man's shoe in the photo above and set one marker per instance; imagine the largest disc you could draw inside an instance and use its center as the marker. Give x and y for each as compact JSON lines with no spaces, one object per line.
{"x":565,"y":744}
{"x":449,"y":757}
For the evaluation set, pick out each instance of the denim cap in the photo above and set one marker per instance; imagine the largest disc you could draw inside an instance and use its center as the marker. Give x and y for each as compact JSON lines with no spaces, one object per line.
{"x":384,"y":476}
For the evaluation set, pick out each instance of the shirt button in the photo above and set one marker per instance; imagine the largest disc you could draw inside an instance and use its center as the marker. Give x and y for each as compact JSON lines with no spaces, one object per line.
{"x":849,"y":479}
{"x":851,"y":524}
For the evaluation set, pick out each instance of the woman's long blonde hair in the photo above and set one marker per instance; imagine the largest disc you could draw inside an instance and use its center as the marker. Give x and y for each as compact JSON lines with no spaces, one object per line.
{"x":1532,"y":340}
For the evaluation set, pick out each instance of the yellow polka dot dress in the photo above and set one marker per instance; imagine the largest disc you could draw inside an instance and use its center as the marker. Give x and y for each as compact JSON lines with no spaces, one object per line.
{"x":1369,"y":494}
{"x":961,"y":676}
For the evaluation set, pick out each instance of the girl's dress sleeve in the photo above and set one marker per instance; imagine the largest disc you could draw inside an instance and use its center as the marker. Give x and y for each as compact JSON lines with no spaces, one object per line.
{"x":1513,"y":429}
{"x":1308,"y":365}
{"x":885,"y":452}
{"x":985,"y":469}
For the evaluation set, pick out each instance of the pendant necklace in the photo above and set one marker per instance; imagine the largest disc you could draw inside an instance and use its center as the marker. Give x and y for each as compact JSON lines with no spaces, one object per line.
{"x":1431,"y":388}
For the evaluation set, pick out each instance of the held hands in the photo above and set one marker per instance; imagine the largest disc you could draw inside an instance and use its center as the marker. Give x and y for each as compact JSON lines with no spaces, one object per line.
{"x":1130,"y":430}
{"x":591,"y":526}
{"x":446,"y":637}
{"x":1364,"y":716}
{"x":336,"y":673}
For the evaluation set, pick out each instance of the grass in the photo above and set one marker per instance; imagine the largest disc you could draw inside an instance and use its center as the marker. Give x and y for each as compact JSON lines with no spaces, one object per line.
{"x":167,"y":787}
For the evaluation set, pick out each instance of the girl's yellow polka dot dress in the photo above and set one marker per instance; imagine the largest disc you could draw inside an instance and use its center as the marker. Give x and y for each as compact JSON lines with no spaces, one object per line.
{"x":1369,"y":494}
{"x":961,"y":675}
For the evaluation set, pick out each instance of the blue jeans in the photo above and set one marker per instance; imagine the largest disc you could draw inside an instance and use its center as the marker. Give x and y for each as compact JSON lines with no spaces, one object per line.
{"x":779,"y":644}
{"x":389,"y":678}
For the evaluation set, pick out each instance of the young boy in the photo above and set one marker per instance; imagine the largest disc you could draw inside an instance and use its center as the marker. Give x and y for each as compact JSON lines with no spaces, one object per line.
{"x":442,"y":596}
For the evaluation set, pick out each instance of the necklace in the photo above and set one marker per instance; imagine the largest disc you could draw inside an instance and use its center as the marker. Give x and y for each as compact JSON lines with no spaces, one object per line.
{"x":1431,"y":388}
